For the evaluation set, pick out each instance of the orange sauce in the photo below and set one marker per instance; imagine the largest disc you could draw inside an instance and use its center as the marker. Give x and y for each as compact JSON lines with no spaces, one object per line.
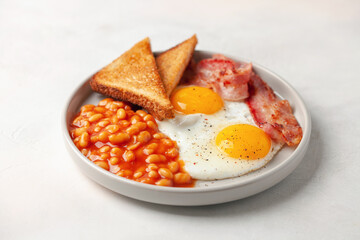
{"x":128,"y":144}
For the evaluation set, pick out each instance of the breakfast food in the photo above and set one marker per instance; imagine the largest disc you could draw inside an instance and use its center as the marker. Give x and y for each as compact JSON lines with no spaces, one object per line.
{"x":272,"y":114}
{"x":173,"y":62}
{"x":217,"y":139}
{"x":134,"y":77}
{"x":128,"y":144}
{"x":223,"y":75}
{"x":216,"y":120}
{"x":236,"y":82}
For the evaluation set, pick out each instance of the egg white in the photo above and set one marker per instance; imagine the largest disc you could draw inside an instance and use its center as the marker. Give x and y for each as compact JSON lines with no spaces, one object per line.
{"x":195,"y":135}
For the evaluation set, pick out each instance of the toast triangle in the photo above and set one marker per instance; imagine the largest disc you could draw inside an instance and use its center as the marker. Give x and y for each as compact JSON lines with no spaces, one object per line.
{"x":134,"y":77}
{"x":173,"y":62}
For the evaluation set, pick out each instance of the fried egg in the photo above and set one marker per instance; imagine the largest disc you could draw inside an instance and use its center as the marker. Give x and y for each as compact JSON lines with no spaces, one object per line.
{"x":217,"y":139}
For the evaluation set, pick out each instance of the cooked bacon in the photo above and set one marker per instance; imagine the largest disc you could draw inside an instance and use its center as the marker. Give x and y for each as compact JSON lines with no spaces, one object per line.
{"x":224,"y":76}
{"x":272,"y":114}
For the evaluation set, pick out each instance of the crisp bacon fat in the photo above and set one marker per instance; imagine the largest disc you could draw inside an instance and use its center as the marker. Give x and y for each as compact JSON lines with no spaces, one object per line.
{"x":224,"y":76}
{"x":236,"y":82}
{"x":272,"y":114}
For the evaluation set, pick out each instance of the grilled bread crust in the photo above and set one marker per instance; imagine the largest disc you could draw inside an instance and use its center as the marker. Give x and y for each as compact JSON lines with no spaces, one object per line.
{"x":173,"y":62}
{"x":134,"y":77}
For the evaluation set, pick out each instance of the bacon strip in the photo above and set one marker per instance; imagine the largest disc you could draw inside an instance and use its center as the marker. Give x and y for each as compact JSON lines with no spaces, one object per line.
{"x":272,"y":114}
{"x":224,"y":76}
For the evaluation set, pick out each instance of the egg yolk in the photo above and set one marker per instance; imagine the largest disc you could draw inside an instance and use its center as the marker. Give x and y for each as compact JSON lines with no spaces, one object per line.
{"x":243,"y":141}
{"x":194,"y":99}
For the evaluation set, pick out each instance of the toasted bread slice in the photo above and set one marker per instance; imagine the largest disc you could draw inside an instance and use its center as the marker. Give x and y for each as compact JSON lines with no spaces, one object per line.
{"x":172,"y":63}
{"x":134,"y":77}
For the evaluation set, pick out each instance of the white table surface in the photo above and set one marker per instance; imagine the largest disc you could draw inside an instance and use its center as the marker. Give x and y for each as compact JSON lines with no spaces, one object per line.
{"x":47,"y":48}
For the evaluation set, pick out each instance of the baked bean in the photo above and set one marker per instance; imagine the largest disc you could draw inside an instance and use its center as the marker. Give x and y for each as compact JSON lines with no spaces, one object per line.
{"x":108,"y":114}
{"x":148,"y":117}
{"x":140,"y":125}
{"x":125,"y":173}
{"x":121,"y":114}
{"x":167,"y":142}
{"x":103,"y":137}
{"x":114,"y":106}
{"x":95,"y":117}
{"x":132,"y":130}
{"x":87,"y":108}
{"x":144,"y":137}
{"x":152,"y":125}
{"x":105,"y":101}
{"x":129,"y":156}
{"x":116,"y":151}
{"x":104,"y":156}
{"x":146,"y":180}
{"x":114,"y":160}
{"x":124,"y":123}
{"x":100,"y":109}
{"x":112,"y":128}
{"x":118,"y":104}
{"x":119,"y":138}
{"x":127,"y":107}
{"x":164,"y":182}
{"x":138,"y":175}
{"x":79,"y":131}
{"x":103,"y":123}
{"x":85,"y":124}
{"x":148,"y":151}
{"x":172,"y":153}
{"x":155,"y":158}
{"x":152,"y":146}
{"x":152,"y":167}
{"x":182,"y":178}
{"x":89,"y":114}
{"x":173,"y":167}
{"x":165,"y":173}
{"x":114,"y":119}
{"x":158,"y":135}
{"x":102,"y":164}
{"x":141,"y":113}
{"x":153,"y":174}
{"x":77,"y":121}
{"x":94,"y":139}
{"x":133,"y":146}
{"x":97,"y":129}
{"x":84,"y":140}
{"x":135,"y":119}
{"x":108,"y":105}
{"x":104,"y":149}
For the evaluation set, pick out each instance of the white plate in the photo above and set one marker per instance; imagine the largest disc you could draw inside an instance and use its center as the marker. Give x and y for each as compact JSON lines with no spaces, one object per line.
{"x":204,"y":192}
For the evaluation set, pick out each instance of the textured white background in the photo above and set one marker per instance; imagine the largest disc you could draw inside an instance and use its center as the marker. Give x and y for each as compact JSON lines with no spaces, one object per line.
{"x":47,"y":48}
